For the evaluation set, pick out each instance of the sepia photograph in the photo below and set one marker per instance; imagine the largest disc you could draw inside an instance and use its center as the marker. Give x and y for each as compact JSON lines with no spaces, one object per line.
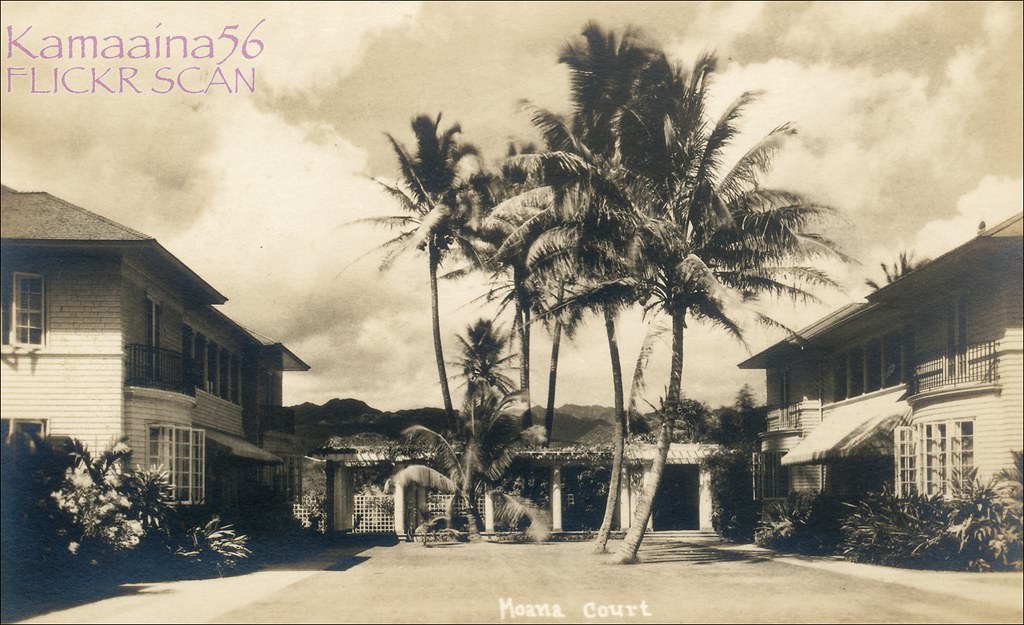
{"x":525,"y":312}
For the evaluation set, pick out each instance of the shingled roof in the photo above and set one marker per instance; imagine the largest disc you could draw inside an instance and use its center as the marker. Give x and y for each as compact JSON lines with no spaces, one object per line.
{"x":41,"y":216}
{"x":39,"y":219}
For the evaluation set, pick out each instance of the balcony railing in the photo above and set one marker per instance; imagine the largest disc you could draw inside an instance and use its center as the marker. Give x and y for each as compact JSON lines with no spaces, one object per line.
{"x":798,"y":416}
{"x":152,"y":367}
{"x":975,"y":363}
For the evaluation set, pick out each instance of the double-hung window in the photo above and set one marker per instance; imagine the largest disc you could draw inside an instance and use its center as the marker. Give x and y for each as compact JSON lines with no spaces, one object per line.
{"x":181,"y":451}
{"x":932,"y":458}
{"x":28,"y":314}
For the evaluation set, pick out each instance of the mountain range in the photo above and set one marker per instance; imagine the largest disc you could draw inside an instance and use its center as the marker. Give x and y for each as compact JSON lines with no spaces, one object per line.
{"x":350,"y":417}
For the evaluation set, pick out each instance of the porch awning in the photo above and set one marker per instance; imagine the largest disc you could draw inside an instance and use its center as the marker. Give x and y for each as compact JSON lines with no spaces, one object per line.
{"x":239,"y":448}
{"x":842,"y":436}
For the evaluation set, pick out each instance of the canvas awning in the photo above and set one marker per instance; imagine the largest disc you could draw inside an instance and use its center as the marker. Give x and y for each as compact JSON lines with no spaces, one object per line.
{"x":239,"y":448}
{"x":842,"y":436}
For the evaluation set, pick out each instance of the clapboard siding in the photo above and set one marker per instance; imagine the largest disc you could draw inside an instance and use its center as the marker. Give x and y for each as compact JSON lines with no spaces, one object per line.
{"x":138,"y":288}
{"x":74,"y":380}
{"x":145,"y":407}
{"x":219,"y":414}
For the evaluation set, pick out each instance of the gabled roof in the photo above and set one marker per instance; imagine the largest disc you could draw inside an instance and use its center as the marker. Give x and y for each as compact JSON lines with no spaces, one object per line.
{"x":995,"y":240}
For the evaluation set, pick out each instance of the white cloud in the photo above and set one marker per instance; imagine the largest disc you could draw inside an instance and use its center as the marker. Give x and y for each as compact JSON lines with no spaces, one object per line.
{"x":995,"y":199}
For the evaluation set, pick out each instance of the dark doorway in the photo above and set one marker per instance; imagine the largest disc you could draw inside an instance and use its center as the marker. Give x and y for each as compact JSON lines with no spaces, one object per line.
{"x":677,"y":504}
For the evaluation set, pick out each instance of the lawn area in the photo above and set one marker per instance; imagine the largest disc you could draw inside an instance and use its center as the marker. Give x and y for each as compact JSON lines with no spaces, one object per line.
{"x":684,"y":578}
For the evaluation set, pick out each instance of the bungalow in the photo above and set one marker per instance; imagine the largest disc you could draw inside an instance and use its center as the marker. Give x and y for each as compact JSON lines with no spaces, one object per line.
{"x":916,"y":387}
{"x":106,"y":335}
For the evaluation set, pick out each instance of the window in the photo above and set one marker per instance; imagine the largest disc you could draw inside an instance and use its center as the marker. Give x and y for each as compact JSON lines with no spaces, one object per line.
{"x":153,"y":323}
{"x":931,"y":458}
{"x":771,"y":479}
{"x":181,"y":451}
{"x":27,"y":310}
{"x":906,"y":453}
{"x":21,"y":432}
{"x":893,"y":354}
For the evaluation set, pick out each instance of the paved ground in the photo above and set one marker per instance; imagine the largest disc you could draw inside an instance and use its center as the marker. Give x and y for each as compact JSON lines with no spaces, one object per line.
{"x":685,"y":577}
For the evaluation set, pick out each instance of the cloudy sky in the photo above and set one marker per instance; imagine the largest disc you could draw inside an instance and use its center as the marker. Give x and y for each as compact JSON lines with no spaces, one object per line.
{"x":909,"y":118}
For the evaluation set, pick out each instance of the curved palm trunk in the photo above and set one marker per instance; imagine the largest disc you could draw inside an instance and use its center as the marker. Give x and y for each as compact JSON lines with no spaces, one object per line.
{"x":618,"y":436}
{"x":549,"y":412}
{"x":446,"y":396}
{"x":635,"y":536}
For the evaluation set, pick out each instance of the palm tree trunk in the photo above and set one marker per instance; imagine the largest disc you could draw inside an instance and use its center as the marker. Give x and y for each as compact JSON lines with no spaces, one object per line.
{"x":618,"y":435}
{"x":549,"y":413}
{"x":446,"y":396}
{"x":635,"y":536}
{"x":523,"y":319}
{"x":472,"y":519}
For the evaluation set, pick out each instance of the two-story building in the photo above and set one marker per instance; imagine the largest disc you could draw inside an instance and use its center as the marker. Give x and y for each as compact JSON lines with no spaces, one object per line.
{"x":915,"y":387}
{"x":106,"y":335}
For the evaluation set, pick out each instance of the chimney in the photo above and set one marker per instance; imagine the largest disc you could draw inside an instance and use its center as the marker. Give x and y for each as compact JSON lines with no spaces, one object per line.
{"x":981,"y":227}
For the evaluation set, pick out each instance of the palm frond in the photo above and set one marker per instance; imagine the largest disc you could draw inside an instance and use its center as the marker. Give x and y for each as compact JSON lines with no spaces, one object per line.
{"x":512,"y":509}
{"x":425,"y":477}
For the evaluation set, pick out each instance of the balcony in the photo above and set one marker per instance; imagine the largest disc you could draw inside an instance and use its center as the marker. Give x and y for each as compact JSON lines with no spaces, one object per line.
{"x":972,"y":365}
{"x":152,"y":367}
{"x":802,"y":415}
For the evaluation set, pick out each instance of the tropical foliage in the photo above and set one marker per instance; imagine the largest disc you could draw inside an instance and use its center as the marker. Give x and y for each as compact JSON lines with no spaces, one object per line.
{"x":629,"y":202}
{"x":436,"y":194}
{"x":900,"y":267}
{"x":977,"y":529}
{"x":473,"y":461}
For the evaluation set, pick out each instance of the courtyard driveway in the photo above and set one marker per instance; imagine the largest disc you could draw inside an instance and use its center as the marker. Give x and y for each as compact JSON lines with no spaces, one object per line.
{"x":685,"y":577}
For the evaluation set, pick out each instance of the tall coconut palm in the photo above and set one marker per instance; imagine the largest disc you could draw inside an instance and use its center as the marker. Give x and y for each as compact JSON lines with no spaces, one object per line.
{"x":710,"y":238}
{"x":435,"y":192}
{"x":583,"y":169}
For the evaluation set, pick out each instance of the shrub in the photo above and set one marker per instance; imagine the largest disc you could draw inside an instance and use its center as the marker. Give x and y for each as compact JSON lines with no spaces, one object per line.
{"x":978,"y":528}
{"x":807,"y":523}
{"x":734,"y":512}
{"x":105,"y":507}
{"x":216,"y":545}
{"x":898,"y":531}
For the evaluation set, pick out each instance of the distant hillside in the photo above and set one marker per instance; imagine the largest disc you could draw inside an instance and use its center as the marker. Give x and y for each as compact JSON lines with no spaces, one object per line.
{"x":346,"y":417}
{"x":350,"y":417}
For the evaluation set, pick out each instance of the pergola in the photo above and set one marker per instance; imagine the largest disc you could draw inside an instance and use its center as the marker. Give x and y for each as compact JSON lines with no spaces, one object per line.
{"x":411,"y":499}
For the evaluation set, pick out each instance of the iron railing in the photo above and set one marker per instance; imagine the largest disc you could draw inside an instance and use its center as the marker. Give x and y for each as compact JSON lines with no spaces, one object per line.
{"x":974,"y":363}
{"x":152,"y":367}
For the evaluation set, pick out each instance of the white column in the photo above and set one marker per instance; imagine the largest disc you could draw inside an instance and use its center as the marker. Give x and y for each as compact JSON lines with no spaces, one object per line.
{"x":489,"y":513}
{"x":400,"y":511}
{"x":556,"y":498}
{"x":704,"y":512}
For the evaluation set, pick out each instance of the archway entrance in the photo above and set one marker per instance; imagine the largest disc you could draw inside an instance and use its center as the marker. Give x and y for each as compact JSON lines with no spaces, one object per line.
{"x":677,"y":506}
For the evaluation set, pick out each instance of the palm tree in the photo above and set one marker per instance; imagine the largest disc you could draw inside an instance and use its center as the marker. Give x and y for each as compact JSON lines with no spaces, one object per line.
{"x":475,"y":463}
{"x":583,"y":170}
{"x":482,"y":361}
{"x":709,"y":238}
{"x":900,"y":267}
{"x":437,"y":197}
